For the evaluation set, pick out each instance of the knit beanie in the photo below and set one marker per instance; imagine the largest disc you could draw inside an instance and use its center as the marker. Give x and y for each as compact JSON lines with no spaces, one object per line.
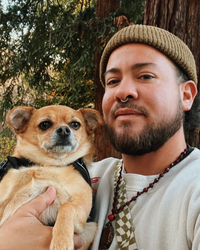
{"x":162,"y":40}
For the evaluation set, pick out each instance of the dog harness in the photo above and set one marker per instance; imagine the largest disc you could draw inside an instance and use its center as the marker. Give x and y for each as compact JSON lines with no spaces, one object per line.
{"x":16,"y":163}
{"x":12,"y":162}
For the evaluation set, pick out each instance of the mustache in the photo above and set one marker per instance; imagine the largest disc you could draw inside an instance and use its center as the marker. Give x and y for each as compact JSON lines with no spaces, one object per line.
{"x":129,"y":105}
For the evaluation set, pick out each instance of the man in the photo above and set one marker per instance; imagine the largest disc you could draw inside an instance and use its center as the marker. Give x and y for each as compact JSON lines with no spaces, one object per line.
{"x":150,"y":81}
{"x":150,"y":85}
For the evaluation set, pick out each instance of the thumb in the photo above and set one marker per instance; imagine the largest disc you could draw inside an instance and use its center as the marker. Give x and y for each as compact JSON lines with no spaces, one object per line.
{"x":38,"y":204}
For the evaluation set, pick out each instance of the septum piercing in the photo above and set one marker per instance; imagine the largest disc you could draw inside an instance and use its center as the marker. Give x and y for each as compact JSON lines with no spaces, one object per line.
{"x":126,"y":100}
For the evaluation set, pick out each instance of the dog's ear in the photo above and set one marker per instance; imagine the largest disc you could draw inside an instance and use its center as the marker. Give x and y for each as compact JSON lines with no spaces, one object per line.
{"x":19,"y":117}
{"x":93,"y":119}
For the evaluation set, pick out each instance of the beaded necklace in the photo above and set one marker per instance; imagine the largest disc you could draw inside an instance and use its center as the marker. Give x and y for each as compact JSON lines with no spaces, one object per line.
{"x":108,"y":231}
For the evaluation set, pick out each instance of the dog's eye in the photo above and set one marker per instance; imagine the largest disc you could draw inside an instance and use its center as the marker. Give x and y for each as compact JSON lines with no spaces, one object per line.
{"x":45,"y":125}
{"x":75,"y":125}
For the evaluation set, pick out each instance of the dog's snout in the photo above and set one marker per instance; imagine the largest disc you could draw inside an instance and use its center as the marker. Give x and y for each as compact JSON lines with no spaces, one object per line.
{"x":63,"y":131}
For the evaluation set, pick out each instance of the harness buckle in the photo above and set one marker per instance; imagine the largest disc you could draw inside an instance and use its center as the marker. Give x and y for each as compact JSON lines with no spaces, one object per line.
{"x":2,"y":167}
{"x":3,"y":164}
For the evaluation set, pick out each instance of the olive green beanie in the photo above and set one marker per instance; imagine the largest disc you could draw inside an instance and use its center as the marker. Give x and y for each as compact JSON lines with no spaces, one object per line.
{"x":162,"y":40}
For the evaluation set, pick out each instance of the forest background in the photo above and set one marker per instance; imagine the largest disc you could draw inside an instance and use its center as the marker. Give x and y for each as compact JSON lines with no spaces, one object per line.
{"x":50,"y":52}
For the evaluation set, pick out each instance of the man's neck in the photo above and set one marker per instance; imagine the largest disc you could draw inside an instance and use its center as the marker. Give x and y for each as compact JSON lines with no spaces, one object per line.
{"x":155,"y":162}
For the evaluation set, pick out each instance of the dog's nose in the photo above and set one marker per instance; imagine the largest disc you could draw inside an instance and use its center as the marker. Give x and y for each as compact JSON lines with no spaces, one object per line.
{"x":63,"y":131}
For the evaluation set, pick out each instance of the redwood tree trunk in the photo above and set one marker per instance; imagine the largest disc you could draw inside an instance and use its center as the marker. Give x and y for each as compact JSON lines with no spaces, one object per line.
{"x":104,"y":148}
{"x":182,"y":18}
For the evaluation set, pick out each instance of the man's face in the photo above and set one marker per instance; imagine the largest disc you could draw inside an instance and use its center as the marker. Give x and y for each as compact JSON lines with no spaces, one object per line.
{"x":154,"y":111}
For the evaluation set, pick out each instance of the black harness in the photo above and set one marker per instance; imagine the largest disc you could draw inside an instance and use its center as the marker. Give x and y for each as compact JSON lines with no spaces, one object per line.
{"x":13,"y":162}
{"x":81,"y":167}
{"x":16,"y":163}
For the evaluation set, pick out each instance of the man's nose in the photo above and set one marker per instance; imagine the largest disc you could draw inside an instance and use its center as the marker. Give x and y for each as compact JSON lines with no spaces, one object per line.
{"x":126,"y":88}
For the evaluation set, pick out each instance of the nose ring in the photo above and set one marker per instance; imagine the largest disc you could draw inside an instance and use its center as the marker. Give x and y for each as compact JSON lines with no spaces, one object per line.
{"x":126,"y":100}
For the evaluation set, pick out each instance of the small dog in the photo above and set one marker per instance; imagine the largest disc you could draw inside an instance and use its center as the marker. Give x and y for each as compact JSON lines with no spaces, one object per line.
{"x":52,"y":138}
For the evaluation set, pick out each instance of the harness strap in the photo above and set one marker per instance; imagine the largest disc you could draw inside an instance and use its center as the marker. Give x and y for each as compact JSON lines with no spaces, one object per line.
{"x":81,"y":167}
{"x":16,"y":163}
{"x":13,"y":162}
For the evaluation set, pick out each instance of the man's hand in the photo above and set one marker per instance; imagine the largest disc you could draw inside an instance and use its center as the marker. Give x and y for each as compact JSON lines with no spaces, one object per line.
{"x":24,"y":231}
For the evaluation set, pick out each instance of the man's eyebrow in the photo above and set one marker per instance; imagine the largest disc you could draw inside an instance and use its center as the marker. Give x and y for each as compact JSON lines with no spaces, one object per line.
{"x":141,"y":65}
{"x":135,"y":66}
{"x":112,"y":70}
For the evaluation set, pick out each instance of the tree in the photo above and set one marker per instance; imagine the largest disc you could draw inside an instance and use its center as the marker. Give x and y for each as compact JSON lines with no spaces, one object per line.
{"x":50,"y":50}
{"x":103,"y":9}
{"x":181,"y":17}
{"x":46,"y":53}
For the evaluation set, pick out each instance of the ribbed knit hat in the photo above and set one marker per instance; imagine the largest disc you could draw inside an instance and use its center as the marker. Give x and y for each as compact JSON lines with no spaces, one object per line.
{"x":162,"y":40}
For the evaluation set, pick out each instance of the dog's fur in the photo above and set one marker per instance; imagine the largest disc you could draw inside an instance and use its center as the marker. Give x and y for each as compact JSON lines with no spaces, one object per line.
{"x":52,"y":139}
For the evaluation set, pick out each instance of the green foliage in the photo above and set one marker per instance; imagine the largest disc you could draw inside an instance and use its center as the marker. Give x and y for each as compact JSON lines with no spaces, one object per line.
{"x":47,"y":53}
{"x":133,"y":10}
{"x":7,"y":144}
{"x":7,"y":147}
{"x":47,"y":50}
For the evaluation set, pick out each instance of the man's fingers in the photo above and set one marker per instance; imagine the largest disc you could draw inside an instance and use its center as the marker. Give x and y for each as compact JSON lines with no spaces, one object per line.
{"x":37,"y":205}
{"x":78,"y":241}
{"x":27,"y":215}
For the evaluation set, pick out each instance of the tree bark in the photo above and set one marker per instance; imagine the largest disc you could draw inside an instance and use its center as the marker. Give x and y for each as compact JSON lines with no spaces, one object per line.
{"x":104,"y":148}
{"x":105,"y":7}
{"x":182,"y":18}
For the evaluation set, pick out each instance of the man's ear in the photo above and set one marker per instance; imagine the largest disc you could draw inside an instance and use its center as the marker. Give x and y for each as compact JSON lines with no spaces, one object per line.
{"x":19,"y":117}
{"x":189,"y":91}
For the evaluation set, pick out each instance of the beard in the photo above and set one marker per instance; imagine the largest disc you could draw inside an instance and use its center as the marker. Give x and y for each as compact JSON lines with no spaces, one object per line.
{"x":153,"y":136}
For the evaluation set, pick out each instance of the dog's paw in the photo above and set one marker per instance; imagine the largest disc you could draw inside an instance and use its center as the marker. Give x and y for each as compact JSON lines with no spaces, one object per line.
{"x":61,"y":245}
{"x":88,"y":234}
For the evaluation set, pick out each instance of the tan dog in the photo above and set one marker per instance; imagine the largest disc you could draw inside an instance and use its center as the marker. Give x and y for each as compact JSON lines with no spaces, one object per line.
{"x":53,"y":137}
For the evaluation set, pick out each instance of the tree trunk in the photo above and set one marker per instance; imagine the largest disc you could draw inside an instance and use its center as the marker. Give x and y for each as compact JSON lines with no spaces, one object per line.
{"x":180,"y":17}
{"x":104,"y":148}
{"x":105,"y":7}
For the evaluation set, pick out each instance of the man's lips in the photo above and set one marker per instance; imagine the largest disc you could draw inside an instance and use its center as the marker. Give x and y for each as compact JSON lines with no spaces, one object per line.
{"x":127,"y":112}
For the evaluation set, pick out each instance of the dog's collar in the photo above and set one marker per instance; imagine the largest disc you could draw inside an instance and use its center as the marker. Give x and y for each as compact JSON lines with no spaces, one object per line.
{"x":14,"y":162}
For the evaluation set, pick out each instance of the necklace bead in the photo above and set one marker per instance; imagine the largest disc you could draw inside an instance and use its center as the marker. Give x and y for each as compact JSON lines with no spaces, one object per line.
{"x":151,"y":185}
{"x":145,"y":190}
{"x":111,"y":217}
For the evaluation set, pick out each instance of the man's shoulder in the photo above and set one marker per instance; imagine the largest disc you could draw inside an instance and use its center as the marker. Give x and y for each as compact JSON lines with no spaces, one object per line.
{"x":193,"y":158}
{"x":103,"y":165}
{"x":105,"y":161}
{"x":103,"y":169}
{"x":189,"y":170}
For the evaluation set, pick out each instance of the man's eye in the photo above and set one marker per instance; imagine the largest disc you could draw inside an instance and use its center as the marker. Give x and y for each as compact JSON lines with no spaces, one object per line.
{"x":45,"y":125}
{"x":75,"y":125}
{"x":112,"y":82}
{"x":146,"y":77}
